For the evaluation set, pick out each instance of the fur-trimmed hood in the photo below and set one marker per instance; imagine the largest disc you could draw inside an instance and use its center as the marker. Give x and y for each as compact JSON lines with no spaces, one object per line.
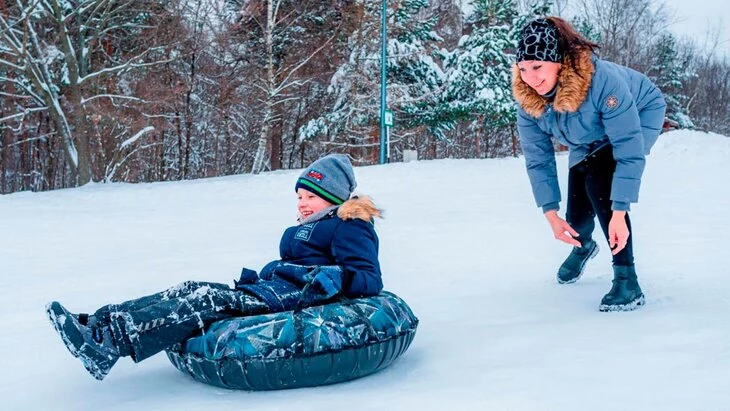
{"x":573,"y":86}
{"x":361,"y":207}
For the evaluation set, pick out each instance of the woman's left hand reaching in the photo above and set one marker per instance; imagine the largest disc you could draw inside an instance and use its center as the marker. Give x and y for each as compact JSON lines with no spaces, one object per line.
{"x":618,"y":232}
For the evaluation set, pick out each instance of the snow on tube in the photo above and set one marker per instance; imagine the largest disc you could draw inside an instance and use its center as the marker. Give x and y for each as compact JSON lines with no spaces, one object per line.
{"x":318,"y":345}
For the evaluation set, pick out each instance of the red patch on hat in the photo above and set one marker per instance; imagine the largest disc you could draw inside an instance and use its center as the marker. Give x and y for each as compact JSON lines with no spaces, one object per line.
{"x":611,"y":102}
{"x":315,"y":175}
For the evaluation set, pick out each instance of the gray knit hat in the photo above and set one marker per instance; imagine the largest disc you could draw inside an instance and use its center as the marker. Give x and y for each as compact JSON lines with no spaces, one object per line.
{"x":331,"y":177}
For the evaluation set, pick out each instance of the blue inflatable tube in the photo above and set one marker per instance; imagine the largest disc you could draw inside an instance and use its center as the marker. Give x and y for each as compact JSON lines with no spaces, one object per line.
{"x":318,"y":345}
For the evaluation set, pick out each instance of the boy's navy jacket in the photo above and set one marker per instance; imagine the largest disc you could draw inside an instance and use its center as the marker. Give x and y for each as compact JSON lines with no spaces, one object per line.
{"x":345,"y":237}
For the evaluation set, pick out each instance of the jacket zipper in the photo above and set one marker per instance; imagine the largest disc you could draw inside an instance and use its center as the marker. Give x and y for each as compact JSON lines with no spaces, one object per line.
{"x":559,"y":120}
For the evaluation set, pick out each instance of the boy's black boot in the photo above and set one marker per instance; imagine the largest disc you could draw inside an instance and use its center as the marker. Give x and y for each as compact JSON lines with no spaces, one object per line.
{"x":573,"y":266}
{"x":94,"y":344}
{"x":625,"y":294}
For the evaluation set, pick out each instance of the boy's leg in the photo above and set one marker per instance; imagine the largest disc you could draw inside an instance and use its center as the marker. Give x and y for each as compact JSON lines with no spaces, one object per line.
{"x":147,"y":331}
{"x":155,"y":327}
{"x":93,"y":340}
{"x":94,"y":346}
{"x":177,"y":291}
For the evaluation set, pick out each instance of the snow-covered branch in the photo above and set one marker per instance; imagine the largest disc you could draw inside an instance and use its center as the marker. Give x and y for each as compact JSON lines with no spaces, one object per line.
{"x":22,"y":114}
{"x":111,"y":172}
{"x":301,"y":64}
{"x":111,"y":97}
{"x":132,"y":63}
{"x":135,"y":137}
{"x":11,"y":65}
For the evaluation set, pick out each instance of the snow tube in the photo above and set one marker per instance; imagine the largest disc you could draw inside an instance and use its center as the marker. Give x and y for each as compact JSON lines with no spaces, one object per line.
{"x":318,"y":345}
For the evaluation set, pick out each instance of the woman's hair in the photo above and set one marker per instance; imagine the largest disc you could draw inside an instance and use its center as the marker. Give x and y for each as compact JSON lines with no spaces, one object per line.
{"x":570,"y":41}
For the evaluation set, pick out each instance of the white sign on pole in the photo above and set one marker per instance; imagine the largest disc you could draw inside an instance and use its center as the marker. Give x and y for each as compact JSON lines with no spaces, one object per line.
{"x":389,"y":118}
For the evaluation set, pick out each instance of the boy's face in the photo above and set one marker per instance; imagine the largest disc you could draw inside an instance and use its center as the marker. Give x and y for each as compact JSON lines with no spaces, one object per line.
{"x":309,"y":203}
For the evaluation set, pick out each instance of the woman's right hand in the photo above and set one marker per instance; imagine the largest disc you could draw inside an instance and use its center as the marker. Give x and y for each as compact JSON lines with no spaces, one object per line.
{"x":561,"y":229}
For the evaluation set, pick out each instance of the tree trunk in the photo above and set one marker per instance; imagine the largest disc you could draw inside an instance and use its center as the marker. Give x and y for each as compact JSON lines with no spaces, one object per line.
{"x":297,"y":125}
{"x":162,"y":172}
{"x":180,"y":149}
{"x":4,"y":156}
{"x":228,"y":166}
{"x":80,"y":135}
{"x":276,"y":143}
{"x":258,"y":161}
{"x":82,"y":146}
{"x":189,"y":116}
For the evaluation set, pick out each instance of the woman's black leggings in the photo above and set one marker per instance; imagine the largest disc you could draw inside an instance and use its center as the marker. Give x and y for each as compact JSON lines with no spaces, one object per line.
{"x":589,"y":195}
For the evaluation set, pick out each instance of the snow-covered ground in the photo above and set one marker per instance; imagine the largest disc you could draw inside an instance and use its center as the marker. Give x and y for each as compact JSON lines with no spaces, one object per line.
{"x":462,"y":242}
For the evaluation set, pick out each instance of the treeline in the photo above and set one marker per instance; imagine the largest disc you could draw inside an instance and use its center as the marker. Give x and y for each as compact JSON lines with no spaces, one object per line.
{"x":141,"y":90}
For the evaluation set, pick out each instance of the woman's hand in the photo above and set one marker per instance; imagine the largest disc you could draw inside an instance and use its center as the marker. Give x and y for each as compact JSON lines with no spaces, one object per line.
{"x":561,"y":229}
{"x":618,"y":232}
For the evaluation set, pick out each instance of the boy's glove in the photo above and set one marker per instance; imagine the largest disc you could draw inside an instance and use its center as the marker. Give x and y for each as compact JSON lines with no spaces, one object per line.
{"x":248,"y":276}
{"x":328,"y":280}
{"x":294,"y":273}
{"x":268,"y":271}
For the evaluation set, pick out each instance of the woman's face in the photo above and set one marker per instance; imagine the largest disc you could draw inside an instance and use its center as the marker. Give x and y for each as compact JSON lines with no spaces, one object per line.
{"x":540,"y":75}
{"x":309,"y":203}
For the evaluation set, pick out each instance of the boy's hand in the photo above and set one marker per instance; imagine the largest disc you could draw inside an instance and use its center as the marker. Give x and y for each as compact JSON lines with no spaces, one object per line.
{"x":294,"y":273}
{"x":328,"y":279}
{"x":268,"y":271}
{"x":248,"y":276}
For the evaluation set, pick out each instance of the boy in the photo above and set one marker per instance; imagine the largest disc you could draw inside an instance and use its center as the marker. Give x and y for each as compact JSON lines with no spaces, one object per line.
{"x":333,"y":250}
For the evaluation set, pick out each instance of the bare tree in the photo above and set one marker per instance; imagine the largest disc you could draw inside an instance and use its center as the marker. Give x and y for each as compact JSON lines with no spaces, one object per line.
{"x":285,"y":38}
{"x":62,"y":71}
{"x":627,"y":28}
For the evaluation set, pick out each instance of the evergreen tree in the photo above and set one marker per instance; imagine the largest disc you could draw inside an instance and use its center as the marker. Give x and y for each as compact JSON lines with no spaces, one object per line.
{"x":587,"y":29}
{"x":412,"y":77}
{"x":669,"y":72}
{"x":477,"y":89}
{"x":416,"y":77}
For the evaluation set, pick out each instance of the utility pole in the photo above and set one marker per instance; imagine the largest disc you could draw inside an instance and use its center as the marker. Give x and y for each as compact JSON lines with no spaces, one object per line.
{"x":383,"y":102}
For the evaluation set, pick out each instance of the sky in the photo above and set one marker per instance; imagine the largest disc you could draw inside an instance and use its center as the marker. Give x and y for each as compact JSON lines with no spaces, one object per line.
{"x":462,"y":242}
{"x":701,"y":19}
{"x":698,"y":19}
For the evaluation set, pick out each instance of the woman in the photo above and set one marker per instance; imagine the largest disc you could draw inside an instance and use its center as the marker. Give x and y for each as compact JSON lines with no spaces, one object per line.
{"x":333,"y":250}
{"x":608,"y":116}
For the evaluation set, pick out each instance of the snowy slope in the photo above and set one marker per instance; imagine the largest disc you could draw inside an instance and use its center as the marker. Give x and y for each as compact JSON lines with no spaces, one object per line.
{"x":462,"y":242}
